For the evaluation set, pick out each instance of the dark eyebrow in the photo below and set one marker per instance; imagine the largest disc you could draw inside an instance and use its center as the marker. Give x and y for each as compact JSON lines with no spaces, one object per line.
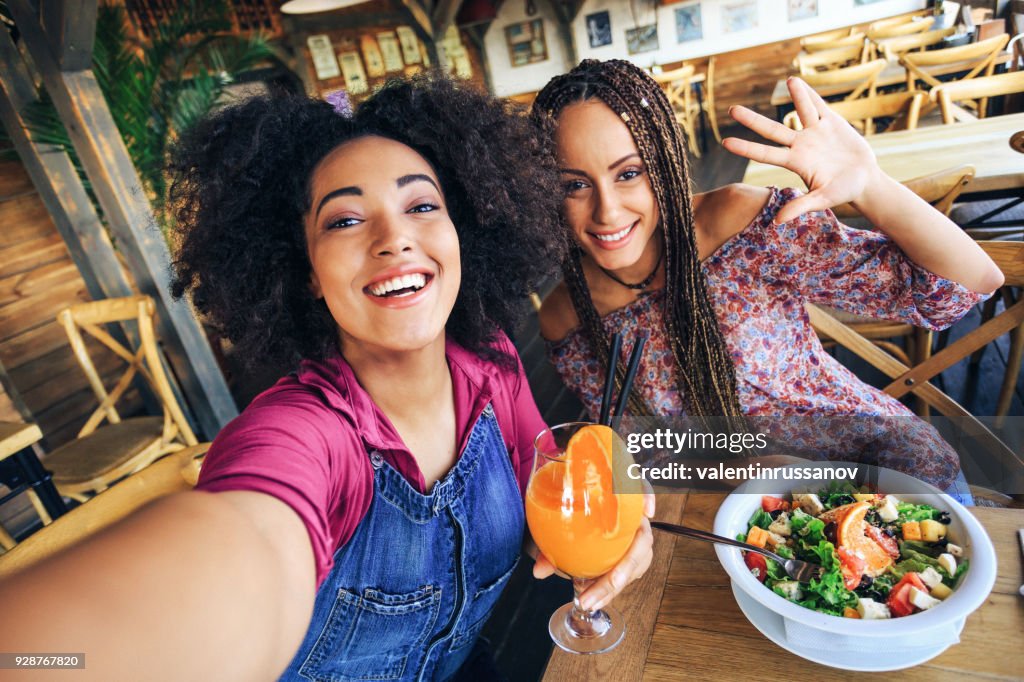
{"x":341,"y":192}
{"x":416,"y":177}
{"x":625,"y":158}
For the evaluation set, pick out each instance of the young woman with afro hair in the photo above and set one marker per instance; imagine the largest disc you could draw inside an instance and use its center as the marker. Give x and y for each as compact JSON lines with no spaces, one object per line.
{"x":361,"y":517}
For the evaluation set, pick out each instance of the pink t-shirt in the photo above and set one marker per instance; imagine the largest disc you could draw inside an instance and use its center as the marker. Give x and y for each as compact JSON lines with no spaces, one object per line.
{"x":307,"y":441}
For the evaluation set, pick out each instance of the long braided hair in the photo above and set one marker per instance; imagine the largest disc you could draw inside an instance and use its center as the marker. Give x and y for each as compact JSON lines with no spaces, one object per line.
{"x":705,"y":374}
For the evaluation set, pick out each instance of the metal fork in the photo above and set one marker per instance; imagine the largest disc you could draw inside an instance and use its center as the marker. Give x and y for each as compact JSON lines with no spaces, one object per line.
{"x":801,"y":571}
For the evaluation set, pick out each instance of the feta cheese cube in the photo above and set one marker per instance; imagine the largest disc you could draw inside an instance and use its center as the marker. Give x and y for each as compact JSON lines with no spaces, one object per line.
{"x":947,"y":562}
{"x":790,"y":589}
{"x":955,"y":550}
{"x":781,"y":525}
{"x":921,"y":600}
{"x":869,"y":609}
{"x":887,"y":512}
{"x":930,"y":577}
{"x":809,"y":502}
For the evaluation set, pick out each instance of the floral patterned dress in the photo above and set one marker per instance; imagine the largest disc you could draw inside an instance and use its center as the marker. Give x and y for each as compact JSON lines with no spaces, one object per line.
{"x":758,"y":282}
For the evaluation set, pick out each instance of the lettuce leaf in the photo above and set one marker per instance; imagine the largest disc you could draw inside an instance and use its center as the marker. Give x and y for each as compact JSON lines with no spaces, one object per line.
{"x":761,"y":519}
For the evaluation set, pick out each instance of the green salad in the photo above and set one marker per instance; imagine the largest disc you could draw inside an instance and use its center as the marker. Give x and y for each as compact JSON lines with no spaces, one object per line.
{"x":881,"y":557}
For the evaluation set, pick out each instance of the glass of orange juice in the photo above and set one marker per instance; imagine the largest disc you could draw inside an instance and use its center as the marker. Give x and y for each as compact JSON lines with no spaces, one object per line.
{"x":583,"y":517}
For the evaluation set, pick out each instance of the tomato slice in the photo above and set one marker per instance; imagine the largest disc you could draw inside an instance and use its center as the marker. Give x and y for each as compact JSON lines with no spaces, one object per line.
{"x":770,"y":504}
{"x":899,"y":598}
{"x":884,"y":541}
{"x":852,"y":567}
{"x":757,"y":565}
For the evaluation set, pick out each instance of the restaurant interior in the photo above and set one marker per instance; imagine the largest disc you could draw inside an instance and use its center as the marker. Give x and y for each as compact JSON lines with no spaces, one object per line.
{"x":111,"y":389}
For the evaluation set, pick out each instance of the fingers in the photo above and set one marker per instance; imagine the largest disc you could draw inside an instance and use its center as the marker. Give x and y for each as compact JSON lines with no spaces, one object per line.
{"x":803,"y":101}
{"x":776,"y":156}
{"x":633,"y":565}
{"x":542,"y":567}
{"x":649,"y":504}
{"x":763,"y":126}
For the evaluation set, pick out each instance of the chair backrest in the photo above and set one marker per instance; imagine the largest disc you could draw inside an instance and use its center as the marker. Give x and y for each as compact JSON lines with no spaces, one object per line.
{"x":940,"y":189}
{"x":829,"y":59}
{"x":845,"y":41}
{"x":891,"y":48}
{"x":1009,"y":256}
{"x":975,"y":88}
{"x":904,"y":107}
{"x":176,"y":472}
{"x":144,"y":360}
{"x":676,"y":84}
{"x":881,"y":30}
{"x":977,"y":59}
{"x":827,"y":36}
{"x":861,"y":76}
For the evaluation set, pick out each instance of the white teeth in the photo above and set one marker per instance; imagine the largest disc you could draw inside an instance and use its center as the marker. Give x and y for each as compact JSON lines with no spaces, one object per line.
{"x":416,"y":281}
{"x":615,"y":236}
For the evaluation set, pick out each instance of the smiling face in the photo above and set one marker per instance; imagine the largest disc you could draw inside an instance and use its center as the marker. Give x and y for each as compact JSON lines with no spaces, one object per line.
{"x":384,"y":253}
{"x":609,"y":203}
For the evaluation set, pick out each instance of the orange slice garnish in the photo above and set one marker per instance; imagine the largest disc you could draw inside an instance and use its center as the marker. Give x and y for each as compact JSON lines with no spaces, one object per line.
{"x":850,"y":527}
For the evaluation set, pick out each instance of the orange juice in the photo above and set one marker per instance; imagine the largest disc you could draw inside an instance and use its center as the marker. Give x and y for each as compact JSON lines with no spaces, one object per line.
{"x":574,"y":517}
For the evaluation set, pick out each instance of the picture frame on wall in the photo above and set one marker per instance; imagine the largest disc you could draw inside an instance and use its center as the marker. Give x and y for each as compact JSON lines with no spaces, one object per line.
{"x":802,"y":9}
{"x":599,"y":29}
{"x":739,"y":16}
{"x":688,"y":23}
{"x":352,"y":70}
{"x":321,"y":53}
{"x":410,"y":44}
{"x":391,"y":51}
{"x":526,"y":42}
{"x":642,"y":39}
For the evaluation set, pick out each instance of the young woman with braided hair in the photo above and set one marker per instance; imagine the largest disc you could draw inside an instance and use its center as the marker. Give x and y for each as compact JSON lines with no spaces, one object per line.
{"x":720,"y":279}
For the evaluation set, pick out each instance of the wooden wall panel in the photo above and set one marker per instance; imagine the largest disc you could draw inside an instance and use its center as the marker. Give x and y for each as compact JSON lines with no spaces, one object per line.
{"x":38,"y":279}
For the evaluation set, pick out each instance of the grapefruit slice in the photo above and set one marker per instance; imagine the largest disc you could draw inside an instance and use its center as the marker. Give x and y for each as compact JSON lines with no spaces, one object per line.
{"x":850,"y":534}
{"x":588,"y":459}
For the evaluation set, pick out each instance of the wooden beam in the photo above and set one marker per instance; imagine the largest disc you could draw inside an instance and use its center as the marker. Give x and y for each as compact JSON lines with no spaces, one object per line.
{"x":115,"y":182}
{"x":476,"y":33}
{"x":563,"y":18}
{"x":58,"y":184}
{"x":443,"y":16}
{"x":70,"y":26}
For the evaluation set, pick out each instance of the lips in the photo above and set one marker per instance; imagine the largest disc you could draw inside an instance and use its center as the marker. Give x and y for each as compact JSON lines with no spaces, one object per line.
{"x":615,"y":240}
{"x":399,"y":287}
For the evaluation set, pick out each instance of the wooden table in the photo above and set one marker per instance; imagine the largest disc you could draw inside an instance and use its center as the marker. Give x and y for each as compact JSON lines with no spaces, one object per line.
{"x":20,"y":469}
{"x":683,"y":621}
{"x":912,"y":153}
{"x":892,"y":74}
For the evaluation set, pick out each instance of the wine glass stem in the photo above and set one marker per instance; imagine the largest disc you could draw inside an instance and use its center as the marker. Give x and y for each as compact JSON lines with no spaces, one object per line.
{"x":585,"y":622}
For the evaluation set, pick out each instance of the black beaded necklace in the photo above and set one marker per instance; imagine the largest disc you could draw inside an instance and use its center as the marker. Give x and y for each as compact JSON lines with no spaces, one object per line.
{"x":646,"y":282}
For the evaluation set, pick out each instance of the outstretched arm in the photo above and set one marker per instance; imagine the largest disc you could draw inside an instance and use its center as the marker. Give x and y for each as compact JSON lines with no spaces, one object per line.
{"x":838,"y":166}
{"x":215,"y":586}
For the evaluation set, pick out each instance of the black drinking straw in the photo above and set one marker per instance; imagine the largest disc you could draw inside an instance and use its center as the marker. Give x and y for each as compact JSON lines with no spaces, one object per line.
{"x":609,"y":379}
{"x":627,"y":385}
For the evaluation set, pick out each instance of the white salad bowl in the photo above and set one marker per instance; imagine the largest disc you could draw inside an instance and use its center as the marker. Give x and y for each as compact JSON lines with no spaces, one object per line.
{"x":942,"y":621}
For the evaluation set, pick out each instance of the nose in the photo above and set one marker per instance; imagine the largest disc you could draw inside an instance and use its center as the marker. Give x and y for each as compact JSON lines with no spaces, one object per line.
{"x":392,"y":236}
{"x":607,"y":208}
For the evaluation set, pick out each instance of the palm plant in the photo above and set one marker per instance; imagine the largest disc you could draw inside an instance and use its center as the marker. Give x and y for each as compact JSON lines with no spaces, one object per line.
{"x":160,"y":85}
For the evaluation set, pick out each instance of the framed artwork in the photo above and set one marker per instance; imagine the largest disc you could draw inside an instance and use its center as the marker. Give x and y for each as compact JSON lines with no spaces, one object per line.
{"x":802,"y":9}
{"x":352,"y":69}
{"x":371,"y":56}
{"x":864,"y":2}
{"x":410,"y":44}
{"x":688,"y":23}
{"x":322,"y":53}
{"x":391,"y":51}
{"x":526,"y":43}
{"x":599,"y":29}
{"x":642,"y":39}
{"x":739,"y":16}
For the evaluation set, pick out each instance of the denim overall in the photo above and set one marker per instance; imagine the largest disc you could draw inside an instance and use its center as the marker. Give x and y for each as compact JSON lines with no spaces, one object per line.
{"x":411,"y":590}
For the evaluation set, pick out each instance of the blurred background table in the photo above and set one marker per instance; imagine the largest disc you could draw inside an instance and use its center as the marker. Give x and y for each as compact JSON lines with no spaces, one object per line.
{"x":20,"y":469}
{"x":683,"y":621}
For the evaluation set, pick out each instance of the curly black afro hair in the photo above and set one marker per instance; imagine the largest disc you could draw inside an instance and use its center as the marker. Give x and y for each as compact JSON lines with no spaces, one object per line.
{"x":241,"y":187}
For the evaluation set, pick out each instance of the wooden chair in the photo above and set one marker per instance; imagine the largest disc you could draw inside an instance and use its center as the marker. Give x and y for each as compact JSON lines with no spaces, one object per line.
{"x":903,"y":107}
{"x":177,"y":472}
{"x":891,"y":48}
{"x":978,"y":90}
{"x":827,"y":37}
{"x":845,"y":41}
{"x":861,"y":77}
{"x":977,"y":59}
{"x":677,"y":86}
{"x":102,"y":454}
{"x":708,"y":103}
{"x":941,"y":190}
{"x":827,"y":60}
